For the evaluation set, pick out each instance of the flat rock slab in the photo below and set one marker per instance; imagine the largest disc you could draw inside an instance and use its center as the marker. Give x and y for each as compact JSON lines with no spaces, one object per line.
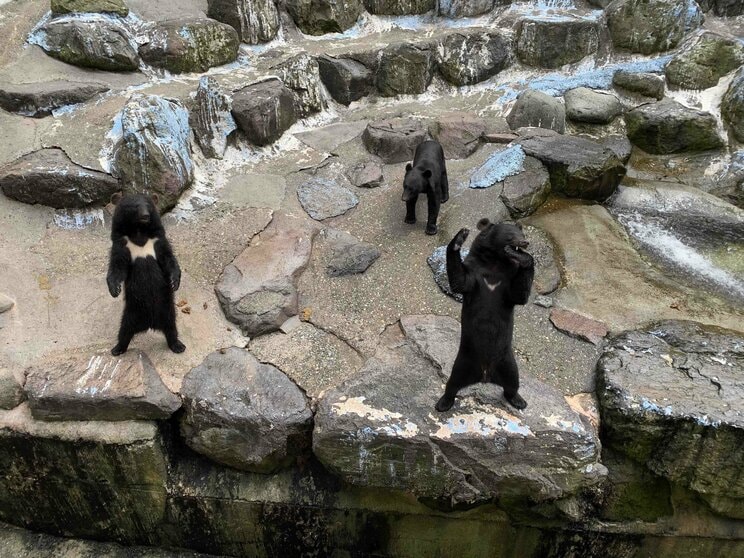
{"x":323,"y":198}
{"x":40,"y":99}
{"x":578,"y":326}
{"x":648,"y":85}
{"x":244,"y":414}
{"x":349,"y":254}
{"x":367,"y":174}
{"x":593,"y":107}
{"x":379,"y":429}
{"x":98,"y":386}
{"x":394,"y":140}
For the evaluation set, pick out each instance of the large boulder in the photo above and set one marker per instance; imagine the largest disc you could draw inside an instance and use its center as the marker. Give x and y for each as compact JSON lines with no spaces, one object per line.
{"x":98,"y":386}
{"x":648,"y":85}
{"x":669,"y":127}
{"x":460,"y":134}
{"x":671,"y":398}
{"x":379,"y":429}
{"x":465,"y":8}
{"x":404,"y":69}
{"x":11,"y":392}
{"x":264,"y":111}
{"x":593,"y":107}
{"x":40,"y":99}
{"x":211,"y":118}
{"x":707,"y":60}
{"x":551,"y":42}
{"x":256,"y":21}
{"x":732,"y":106}
{"x":323,"y":198}
{"x":394,"y":140}
{"x":49,"y":177}
{"x":301,"y":74}
{"x":465,"y":59}
{"x":578,"y":167}
{"x":117,"y":7}
{"x":399,"y":7}
{"x":346,"y":80}
{"x":317,"y":17}
{"x":153,"y":154}
{"x":523,"y":193}
{"x":244,"y":414}
{"x":649,"y":26}
{"x":537,"y":109}
{"x":258,"y":290}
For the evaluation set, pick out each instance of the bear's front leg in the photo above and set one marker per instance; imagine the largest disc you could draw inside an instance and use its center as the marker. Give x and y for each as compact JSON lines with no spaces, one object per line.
{"x":431,"y":221}
{"x":411,"y":211}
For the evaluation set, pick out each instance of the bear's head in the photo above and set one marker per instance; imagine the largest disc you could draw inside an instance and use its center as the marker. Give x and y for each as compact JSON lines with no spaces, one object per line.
{"x":498,"y":241}
{"x":415,"y":182}
{"x":135,"y":213}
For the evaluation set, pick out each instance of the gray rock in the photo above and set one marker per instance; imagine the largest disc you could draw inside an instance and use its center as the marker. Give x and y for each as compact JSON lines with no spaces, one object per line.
{"x":525,"y":192}
{"x":725,"y":7}
{"x":669,"y":127}
{"x":404,"y":69}
{"x":648,"y":85}
{"x":367,"y":174}
{"x":537,"y":109}
{"x":499,"y":165}
{"x":460,"y":134}
{"x":465,"y":8}
{"x":394,"y":140}
{"x":438,"y":264}
{"x":40,"y":99}
{"x":301,"y":74}
{"x":258,"y":290}
{"x":543,"y":301}
{"x":346,"y":80}
{"x":264,"y":111}
{"x":11,"y":392}
{"x":465,"y":59}
{"x":600,"y":3}
{"x":349,"y":255}
{"x":551,"y":42}
{"x":97,"y":386}
{"x":732,"y":106}
{"x":399,"y":7}
{"x":244,"y":414}
{"x":547,"y":273}
{"x":594,"y":107}
{"x":620,"y":145}
{"x":703,"y":63}
{"x":323,"y":198}
{"x":379,"y":429}
{"x":316,"y":17}
{"x":89,"y":6}
{"x":49,"y":177}
{"x":211,"y":119}
{"x":256,"y":21}
{"x":578,"y":326}
{"x":6,"y":303}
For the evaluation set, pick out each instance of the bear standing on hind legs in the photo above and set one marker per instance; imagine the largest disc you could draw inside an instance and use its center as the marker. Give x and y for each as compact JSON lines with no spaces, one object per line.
{"x":496,"y":275}
{"x":142,"y":259}
{"x":427,"y":175}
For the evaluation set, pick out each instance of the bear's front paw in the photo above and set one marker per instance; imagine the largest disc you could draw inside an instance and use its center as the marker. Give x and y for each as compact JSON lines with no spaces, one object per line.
{"x":114,"y":287}
{"x":410,"y":220}
{"x":431,"y":229}
{"x":460,"y":238}
{"x":175,"y":282}
{"x":444,"y":404}
{"x":516,"y":401}
{"x":177,"y":347}
{"x":118,"y":350}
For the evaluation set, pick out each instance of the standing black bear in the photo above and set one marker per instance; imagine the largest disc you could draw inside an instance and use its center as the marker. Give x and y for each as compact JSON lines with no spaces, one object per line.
{"x":142,"y":259}
{"x":427,"y":175}
{"x":496,"y":275}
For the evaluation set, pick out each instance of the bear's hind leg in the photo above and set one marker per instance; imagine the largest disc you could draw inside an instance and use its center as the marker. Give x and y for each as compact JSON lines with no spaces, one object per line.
{"x":507,"y":376}
{"x":465,"y":372}
{"x":171,"y":331}
{"x":127,"y":330}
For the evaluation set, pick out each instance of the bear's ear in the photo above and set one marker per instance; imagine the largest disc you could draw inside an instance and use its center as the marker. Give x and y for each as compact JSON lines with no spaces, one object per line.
{"x":155,"y":199}
{"x":116,"y":197}
{"x":409,"y":166}
{"x":483,"y":223}
{"x":426,"y":173}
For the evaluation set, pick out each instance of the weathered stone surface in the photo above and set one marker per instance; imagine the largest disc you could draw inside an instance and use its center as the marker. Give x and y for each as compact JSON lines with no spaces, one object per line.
{"x":551,"y":42}
{"x":537,"y":109}
{"x":40,"y":99}
{"x":6,"y":303}
{"x":707,"y":60}
{"x":257,"y":290}
{"x":465,"y":59}
{"x":244,"y":414}
{"x":732,"y":106}
{"x":465,"y":8}
{"x":87,"y":6}
{"x":211,"y":119}
{"x":649,"y":85}
{"x":256,"y":21}
{"x":11,"y":392}
{"x":399,"y":7}
{"x":671,"y":398}
{"x":349,"y":255}
{"x":547,"y":275}
{"x":724,"y":7}
{"x":346,"y":80}
{"x":594,"y":107}
{"x":404,"y":69}
{"x":264,"y":111}
{"x":394,"y":140}
{"x":190,"y":45}
{"x":301,"y":74}
{"x":323,"y":198}
{"x":379,"y":429}
{"x":620,"y":145}
{"x":49,"y":177}
{"x":578,"y":167}
{"x":460,"y":134}
{"x":525,"y":192}
{"x":649,"y":26}
{"x":669,"y":127}
{"x":579,"y":326}
{"x":98,"y":386}
{"x":367,"y":174}
{"x":316,"y":17}
{"x":153,"y":154}
{"x":438,"y":264}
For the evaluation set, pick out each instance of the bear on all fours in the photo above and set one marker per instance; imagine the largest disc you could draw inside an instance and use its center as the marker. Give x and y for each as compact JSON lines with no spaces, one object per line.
{"x":495,"y":276}
{"x":142,"y":259}
{"x":426,"y":175}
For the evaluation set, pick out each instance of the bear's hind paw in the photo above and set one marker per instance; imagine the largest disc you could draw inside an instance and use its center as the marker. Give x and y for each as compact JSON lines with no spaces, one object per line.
{"x":444,"y":404}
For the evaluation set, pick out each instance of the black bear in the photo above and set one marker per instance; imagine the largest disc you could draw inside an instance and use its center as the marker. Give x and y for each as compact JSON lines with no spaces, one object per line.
{"x":142,"y":259}
{"x":495,"y":276}
{"x":427,"y":175}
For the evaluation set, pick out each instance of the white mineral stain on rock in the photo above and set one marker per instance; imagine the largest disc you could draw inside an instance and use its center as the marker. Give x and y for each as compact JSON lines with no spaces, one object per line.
{"x":78,"y":218}
{"x":396,"y":424}
{"x":480,"y":424}
{"x":95,"y":375}
{"x":498,"y":167}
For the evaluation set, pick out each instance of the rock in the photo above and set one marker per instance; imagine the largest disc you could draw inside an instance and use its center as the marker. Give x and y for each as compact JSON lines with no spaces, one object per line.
{"x":707,"y":60}
{"x":543,"y":301}
{"x":460,"y":134}
{"x":367,"y":174}
{"x":620,"y":145}
{"x":465,"y":8}
{"x":671,"y":399}
{"x":499,"y":165}
{"x":258,"y":290}
{"x":524,"y":192}
{"x":593,"y":107}
{"x":90,"y":6}
{"x":669,"y":127}
{"x":11,"y":392}
{"x":316,"y":17}
{"x":6,"y":303}
{"x":732,"y":106}
{"x":649,"y":26}
{"x":190,"y":45}
{"x":551,"y":42}
{"x":648,"y":85}
{"x":404,"y":69}
{"x":264,"y":111}
{"x":379,"y":429}
{"x":350,"y":255}
{"x":499,"y":137}
{"x":101,"y":44}
{"x":465,"y":59}
{"x":578,"y":326}
{"x":153,"y":154}
{"x":578,"y":167}
{"x":438,"y":264}
{"x":244,"y":414}
{"x":346,"y":80}
{"x":212,"y":119}
{"x":547,"y":274}
{"x":49,"y":177}
{"x":394,"y":140}
{"x":40,"y":99}
{"x":537,"y":109}
{"x":301,"y":74}
{"x":98,"y":386}
{"x":324,"y":198}
{"x":725,"y":7}
{"x":399,"y":7}
{"x":256,"y":21}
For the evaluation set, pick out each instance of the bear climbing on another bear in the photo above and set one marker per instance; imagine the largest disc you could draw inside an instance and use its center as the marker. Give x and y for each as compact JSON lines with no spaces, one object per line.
{"x":495,"y":276}
{"x":427,"y":175}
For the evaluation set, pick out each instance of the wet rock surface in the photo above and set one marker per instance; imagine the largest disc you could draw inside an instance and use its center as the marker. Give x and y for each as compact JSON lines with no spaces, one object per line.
{"x":536,"y":109}
{"x":648,"y":85}
{"x":316,"y":17}
{"x":347,"y":80}
{"x":593,"y":107}
{"x":395,"y":140}
{"x":551,"y":42}
{"x":40,"y":99}
{"x":264,"y":111}
{"x":732,"y":106}
{"x":256,"y":21}
{"x":211,"y":119}
{"x":704,"y":62}
{"x":465,"y":59}
{"x":525,"y":192}
{"x":11,"y":391}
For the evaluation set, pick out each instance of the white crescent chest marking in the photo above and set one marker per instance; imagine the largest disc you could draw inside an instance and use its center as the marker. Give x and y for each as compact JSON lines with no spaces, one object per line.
{"x":491,"y":287}
{"x":142,"y":251}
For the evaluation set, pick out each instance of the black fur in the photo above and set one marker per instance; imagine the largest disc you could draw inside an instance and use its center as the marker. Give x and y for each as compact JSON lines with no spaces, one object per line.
{"x":148,"y":283}
{"x":494,"y":277}
{"x":427,"y":175}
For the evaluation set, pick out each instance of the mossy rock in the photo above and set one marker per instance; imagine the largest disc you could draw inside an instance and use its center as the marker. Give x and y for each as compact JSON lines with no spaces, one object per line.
{"x":701,"y":66}
{"x":90,"y":6}
{"x":732,"y":106}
